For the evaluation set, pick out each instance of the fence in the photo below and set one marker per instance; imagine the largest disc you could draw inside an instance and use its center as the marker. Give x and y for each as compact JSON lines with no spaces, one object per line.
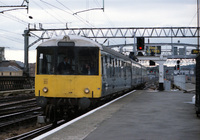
{"x":179,"y":81}
{"x":14,"y":83}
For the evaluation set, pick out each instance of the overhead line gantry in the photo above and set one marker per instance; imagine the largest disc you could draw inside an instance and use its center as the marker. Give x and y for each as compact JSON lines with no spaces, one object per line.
{"x":98,"y":33}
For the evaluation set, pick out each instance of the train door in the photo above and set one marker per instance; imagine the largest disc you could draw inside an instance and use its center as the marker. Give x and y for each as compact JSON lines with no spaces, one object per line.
{"x":110,"y":79}
{"x":104,"y":74}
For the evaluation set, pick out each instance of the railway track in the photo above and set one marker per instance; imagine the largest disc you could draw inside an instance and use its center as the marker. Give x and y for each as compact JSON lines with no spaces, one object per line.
{"x":15,"y":112}
{"x":17,"y":97}
{"x":34,"y":133}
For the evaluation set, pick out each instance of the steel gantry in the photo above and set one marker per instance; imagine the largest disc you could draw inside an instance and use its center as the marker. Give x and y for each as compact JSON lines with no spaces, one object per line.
{"x":39,"y":33}
{"x":147,"y":32}
{"x":24,"y":5}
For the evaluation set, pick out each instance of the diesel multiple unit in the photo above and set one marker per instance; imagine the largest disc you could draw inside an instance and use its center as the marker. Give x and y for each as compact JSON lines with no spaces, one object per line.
{"x":74,"y":72}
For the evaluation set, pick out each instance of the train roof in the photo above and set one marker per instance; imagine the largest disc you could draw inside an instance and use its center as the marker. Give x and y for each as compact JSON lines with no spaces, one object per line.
{"x":119,"y":55}
{"x":82,"y":41}
{"x":78,"y":40}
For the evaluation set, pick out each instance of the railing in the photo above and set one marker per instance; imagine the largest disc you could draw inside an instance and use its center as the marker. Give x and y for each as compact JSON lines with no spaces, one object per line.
{"x":14,"y":83}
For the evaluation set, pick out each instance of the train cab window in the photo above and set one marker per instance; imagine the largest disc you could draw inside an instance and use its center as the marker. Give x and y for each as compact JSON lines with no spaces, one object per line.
{"x":68,"y":60}
{"x":45,"y":61}
{"x":65,"y":64}
{"x":80,"y":60}
{"x":87,"y":61}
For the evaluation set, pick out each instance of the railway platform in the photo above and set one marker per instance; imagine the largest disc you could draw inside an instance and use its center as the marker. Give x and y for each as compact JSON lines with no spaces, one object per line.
{"x":141,"y":115}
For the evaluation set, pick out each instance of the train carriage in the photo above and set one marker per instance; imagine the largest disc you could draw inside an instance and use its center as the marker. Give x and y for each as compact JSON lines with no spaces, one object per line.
{"x":74,"y":72}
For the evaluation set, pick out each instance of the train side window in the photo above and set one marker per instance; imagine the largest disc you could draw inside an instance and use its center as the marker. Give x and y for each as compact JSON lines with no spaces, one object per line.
{"x":106,"y":59}
{"x":116,"y":67}
{"x":107,"y":66}
{"x":110,"y":60}
{"x":113,"y":67}
{"x":125,"y":67}
{"x":110,"y":67}
{"x":120,"y":68}
{"x":102,"y":67}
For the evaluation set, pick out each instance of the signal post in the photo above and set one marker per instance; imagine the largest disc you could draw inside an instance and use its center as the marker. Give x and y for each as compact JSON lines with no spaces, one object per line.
{"x":161,"y":73}
{"x":158,"y":59}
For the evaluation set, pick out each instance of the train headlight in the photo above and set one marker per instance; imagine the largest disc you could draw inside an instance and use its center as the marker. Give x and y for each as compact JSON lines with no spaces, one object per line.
{"x":45,"y":89}
{"x":86,"y":90}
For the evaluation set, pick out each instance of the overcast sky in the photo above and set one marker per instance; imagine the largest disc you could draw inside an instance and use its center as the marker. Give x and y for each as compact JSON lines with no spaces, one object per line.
{"x":117,"y":13}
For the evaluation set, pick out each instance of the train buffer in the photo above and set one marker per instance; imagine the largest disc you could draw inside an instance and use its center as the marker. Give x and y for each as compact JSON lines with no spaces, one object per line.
{"x":165,"y":115}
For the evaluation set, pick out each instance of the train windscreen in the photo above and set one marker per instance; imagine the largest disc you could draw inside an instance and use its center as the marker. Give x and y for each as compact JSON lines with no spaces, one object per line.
{"x":68,"y":60}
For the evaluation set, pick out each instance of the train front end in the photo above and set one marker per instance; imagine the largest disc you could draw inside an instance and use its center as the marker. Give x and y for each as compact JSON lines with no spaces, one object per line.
{"x":67,"y":74}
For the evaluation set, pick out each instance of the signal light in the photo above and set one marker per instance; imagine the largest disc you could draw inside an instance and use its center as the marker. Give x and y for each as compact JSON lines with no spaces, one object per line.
{"x":140,"y":48}
{"x":140,"y":43}
{"x":178,"y":67}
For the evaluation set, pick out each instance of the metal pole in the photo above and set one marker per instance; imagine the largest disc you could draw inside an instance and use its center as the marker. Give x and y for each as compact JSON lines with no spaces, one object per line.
{"x":134,"y":46}
{"x":26,"y":48}
{"x":103,"y":5}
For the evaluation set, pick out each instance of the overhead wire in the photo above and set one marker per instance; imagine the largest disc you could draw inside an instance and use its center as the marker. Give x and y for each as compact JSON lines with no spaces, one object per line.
{"x":47,"y":12}
{"x":48,"y":4}
{"x":9,"y":16}
{"x":192,"y":19}
{"x":8,"y":36}
{"x":107,"y":19}
{"x":75,"y":15}
{"x":12,"y":17}
{"x":98,"y":4}
{"x":11,"y":39}
{"x":9,"y":31}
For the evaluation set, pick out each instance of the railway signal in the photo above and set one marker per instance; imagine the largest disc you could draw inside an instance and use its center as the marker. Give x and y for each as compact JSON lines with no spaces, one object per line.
{"x":178,"y":66}
{"x":140,"y":43}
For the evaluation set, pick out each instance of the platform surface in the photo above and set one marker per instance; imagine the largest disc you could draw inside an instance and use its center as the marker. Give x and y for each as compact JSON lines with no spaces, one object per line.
{"x":142,"y":115}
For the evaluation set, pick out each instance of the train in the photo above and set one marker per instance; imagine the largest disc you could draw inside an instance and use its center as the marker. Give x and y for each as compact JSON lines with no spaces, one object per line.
{"x":73,"y":73}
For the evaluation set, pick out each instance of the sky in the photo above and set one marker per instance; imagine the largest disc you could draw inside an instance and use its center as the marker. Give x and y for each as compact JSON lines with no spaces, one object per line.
{"x":117,"y":13}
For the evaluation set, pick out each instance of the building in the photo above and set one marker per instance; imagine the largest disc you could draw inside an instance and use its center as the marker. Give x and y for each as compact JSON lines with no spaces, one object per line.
{"x":11,"y":68}
{"x":10,"y":71}
{"x":2,"y":57}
